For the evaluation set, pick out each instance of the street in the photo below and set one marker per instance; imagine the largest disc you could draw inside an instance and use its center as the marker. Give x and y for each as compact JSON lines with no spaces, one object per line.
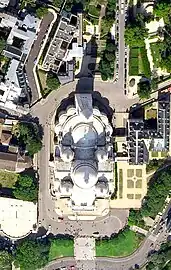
{"x":33,"y":55}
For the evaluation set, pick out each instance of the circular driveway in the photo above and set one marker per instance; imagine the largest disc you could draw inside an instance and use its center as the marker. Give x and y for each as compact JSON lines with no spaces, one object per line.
{"x":106,"y":226}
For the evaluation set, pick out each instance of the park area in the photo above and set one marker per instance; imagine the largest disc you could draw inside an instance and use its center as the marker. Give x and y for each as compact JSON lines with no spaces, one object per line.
{"x":61,"y":248}
{"x":138,"y":62}
{"x":123,"y":244}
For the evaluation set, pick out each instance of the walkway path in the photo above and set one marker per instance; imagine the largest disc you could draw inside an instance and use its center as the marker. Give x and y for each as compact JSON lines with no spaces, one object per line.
{"x":84,"y":250}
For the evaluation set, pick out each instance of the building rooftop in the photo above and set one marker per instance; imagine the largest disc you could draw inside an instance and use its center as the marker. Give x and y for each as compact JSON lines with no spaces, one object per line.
{"x":60,"y":42}
{"x":17,"y":217}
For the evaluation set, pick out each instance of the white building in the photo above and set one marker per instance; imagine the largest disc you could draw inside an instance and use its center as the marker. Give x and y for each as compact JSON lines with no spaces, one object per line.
{"x":4,"y":3}
{"x":22,"y":34}
{"x":17,"y":217}
{"x":10,"y":90}
{"x":83,"y":157}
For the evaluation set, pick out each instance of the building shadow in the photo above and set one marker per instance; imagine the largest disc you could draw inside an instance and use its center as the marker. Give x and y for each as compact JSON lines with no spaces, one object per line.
{"x":88,"y":68}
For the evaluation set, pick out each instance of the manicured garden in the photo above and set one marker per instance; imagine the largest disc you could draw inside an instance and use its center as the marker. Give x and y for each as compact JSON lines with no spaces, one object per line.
{"x":138,"y":62}
{"x":61,"y":248}
{"x":123,"y":244}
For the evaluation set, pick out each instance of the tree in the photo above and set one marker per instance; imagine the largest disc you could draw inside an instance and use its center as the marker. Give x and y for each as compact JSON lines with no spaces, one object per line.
{"x":41,"y":12}
{"x":29,"y":135}
{"x":33,"y":146}
{"x":31,"y":255}
{"x":166,"y":63}
{"x":52,"y":81}
{"x":163,"y":10}
{"x":144,"y":89}
{"x":24,"y":3}
{"x":5,"y":261}
{"x":154,"y":83}
{"x":106,"y":64}
{"x":135,"y":34}
{"x":161,"y":259}
{"x":57,"y":3}
{"x":25,"y":189}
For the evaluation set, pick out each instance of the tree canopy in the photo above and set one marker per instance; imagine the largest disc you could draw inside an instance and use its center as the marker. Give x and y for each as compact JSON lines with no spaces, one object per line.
{"x":24,"y":3}
{"x":144,"y":89}
{"x":162,"y":259}
{"x":106,"y":65}
{"x":29,"y":135}
{"x":25,"y":188}
{"x":5,"y":260}
{"x":41,"y":12}
{"x":52,"y":81}
{"x":135,"y":34}
{"x":163,"y":10}
{"x":31,"y":255}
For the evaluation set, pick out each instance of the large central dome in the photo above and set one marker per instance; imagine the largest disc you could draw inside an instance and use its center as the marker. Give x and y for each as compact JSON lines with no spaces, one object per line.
{"x":85,"y":176}
{"x":84,"y":135}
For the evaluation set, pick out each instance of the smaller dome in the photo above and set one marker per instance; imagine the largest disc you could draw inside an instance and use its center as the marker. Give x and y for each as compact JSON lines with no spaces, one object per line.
{"x":101,"y":155}
{"x":62,"y":117}
{"x":71,"y":111}
{"x":96,"y":111}
{"x":102,"y":189}
{"x":66,"y":186}
{"x":66,"y":154}
{"x":104,"y":119}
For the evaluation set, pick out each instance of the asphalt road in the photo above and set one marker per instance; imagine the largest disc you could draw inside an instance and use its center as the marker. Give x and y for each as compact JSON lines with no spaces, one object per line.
{"x":34,"y":53}
{"x":121,"y":48}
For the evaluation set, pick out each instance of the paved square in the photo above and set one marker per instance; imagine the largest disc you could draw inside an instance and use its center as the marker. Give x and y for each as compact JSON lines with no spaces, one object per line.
{"x":84,"y":248}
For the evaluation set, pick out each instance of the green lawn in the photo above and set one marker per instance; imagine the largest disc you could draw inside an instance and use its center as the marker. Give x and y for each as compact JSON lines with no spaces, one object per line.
{"x":156,"y":53}
{"x":61,"y":248}
{"x":122,"y":245}
{"x":8,"y":179}
{"x":138,"y":62}
{"x":144,"y":65}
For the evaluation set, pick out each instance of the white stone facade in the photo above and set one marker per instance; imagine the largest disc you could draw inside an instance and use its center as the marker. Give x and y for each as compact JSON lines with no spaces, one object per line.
{"x":83,"y":155}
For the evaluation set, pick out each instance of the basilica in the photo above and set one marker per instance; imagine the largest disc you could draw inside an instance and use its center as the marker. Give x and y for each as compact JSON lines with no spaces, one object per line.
{"x":84,"y":162}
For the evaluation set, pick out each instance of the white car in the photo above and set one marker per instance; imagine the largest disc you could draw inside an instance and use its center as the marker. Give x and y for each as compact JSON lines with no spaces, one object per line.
{"x":122,"y":7}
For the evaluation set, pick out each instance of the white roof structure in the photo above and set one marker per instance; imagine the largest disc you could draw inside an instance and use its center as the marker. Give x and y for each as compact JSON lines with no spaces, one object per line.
{"x":17,"y":217}
{"x":84,"y":154}
{"x":10,"y":89}
{"x":4,"y":3}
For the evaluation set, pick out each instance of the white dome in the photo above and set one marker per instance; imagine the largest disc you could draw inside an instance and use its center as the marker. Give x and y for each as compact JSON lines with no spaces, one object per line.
{"x":101,"y":189}
{"x":85,"y":176}
{"x":96,"y":111}
{"x":63,"y":117}
{"x":101,"y":155}
{"x":67,"y":154}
